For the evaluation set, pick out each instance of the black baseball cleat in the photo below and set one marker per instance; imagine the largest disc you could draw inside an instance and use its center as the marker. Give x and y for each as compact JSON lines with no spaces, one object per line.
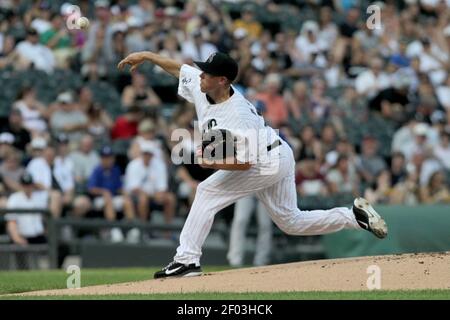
{"x":176,"y":269}
{"x":368,"y":218}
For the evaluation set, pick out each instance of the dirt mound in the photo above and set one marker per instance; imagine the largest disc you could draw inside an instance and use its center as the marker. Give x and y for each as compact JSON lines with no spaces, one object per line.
{"x":407,"y":271}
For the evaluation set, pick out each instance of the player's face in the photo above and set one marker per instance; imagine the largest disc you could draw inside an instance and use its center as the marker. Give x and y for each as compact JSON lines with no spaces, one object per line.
{"x":209,"y":82}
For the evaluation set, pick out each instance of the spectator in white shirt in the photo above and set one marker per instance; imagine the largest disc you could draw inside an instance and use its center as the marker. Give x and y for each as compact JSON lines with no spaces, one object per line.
{"x":146,"y":180}
{"x":31,"y":52}
{"x":26,"y":228}
{"x":369,"y":83}
{"x":442,"y":151}
{"x":63,"y":172}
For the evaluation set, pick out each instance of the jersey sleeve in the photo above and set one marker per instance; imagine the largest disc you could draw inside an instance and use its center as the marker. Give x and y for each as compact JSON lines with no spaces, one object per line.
{"x":189,"y":82}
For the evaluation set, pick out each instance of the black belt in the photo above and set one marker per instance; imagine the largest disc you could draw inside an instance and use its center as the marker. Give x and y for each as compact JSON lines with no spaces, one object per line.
{"x":274,"y":145}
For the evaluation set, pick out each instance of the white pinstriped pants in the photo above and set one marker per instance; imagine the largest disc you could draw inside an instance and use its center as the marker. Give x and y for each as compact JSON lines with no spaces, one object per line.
{"x":278,"y":193}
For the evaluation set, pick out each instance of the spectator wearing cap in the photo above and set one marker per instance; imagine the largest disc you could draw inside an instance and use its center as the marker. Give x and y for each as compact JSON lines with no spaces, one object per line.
{"x":248,"y":22}
{"x":36,"y":147}
{"x":34,"y":113}
{"x":84,"y":159}
{"x":146,"y":181}
{"x":106,"y":189}
{"x":26,"y":228}
{"x":147,"y":130}
{"x":33,"y":54}
{"x":276,"y":109}
{"x":125,"y":126}
{"x":6,"y":144}
{"x":139,"y":93}
{"x":68,"y":119}
{"x":15,"y":127}
{"x":369,"y":164}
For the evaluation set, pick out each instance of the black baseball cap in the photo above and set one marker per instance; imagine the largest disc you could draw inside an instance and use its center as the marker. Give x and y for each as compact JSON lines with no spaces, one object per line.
{"x":219,"y":64}
{"x":26,"y":179}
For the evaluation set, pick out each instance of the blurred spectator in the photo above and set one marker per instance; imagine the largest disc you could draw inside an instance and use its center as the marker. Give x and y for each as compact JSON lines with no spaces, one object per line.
{"x":143,"y":11}
{"x":342,"y":179}
{"x":369,"y":163}
{"x":34,"y":113}
{"x":309,"y":180}
{"x":196,"y":48}
{"x":58,"y":39}
{"x":398,"y":168}
{"x":84,"y":159}
{"x":297,"y":100}
{"x":139,"y":93}
{"x":146,"y":181}
{"x":33,"y":54}
{"x":99,"y":122}
{"x":47,"y":185}
{"x":125,"y":127}
{"x":15,"y":127}
{"x":442,"y":151}
{"x":369,"y":83}
{"x":99,"y":47}
{"x":10,"y":173}
{"x":146,"y":135}
{"x":63,"y":172}
{"x":27,"y":228}
{"x":105,"y":187}
{"x":381,"y":193}
{"x":436,"y":191}
{"x":309,"y":44}
{"x":248,"y":22}
{"x":68,"y":119}
{"x":6,"y":144}
{"x":310,"y":145}
{"x":276,"y":109}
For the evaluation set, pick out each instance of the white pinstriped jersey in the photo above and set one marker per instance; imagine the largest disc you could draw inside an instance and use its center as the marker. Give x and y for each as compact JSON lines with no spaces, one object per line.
{"x":236,"y":115}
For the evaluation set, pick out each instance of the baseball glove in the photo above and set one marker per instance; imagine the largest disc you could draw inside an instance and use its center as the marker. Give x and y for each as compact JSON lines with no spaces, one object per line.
{"x":218,"y":144}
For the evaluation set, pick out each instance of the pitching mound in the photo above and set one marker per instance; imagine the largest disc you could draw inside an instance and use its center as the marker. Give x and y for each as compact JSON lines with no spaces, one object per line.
{"x":398,"y":272}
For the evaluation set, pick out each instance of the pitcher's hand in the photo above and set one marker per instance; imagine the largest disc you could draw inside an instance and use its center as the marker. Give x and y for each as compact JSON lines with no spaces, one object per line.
{"x":133,"y":59}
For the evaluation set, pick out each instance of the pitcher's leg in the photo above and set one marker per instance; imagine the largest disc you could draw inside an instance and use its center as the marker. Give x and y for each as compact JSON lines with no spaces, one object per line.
{"x":207,"y":203}
{"x":242,"y":214}
{"x":281,"y":203}
{"x":264,"y":239}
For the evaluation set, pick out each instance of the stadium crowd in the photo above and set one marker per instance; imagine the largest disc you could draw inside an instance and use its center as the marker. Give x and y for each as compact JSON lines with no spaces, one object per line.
{"x":366,"y":110}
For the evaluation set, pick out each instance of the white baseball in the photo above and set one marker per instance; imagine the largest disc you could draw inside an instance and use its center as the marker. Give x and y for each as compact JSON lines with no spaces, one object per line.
{"x":83,"y":22}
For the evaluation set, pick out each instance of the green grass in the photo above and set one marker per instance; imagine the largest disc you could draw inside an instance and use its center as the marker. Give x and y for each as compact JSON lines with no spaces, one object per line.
{"x":22,"y":281}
